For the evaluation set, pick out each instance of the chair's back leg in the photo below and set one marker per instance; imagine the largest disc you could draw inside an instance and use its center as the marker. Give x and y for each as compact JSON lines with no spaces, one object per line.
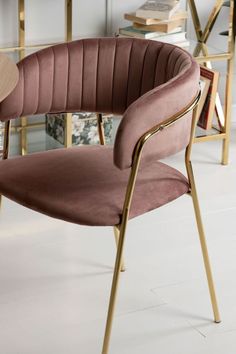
{"x":6,"y":140}
{"x":100,"y":129}
{"x":117,"y":236}
{"x":6,"y":143}
{"x":203,"y":243}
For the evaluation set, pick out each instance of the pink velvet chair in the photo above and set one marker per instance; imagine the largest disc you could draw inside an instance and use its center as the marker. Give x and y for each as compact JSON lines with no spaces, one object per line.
{"x":154,"y":86}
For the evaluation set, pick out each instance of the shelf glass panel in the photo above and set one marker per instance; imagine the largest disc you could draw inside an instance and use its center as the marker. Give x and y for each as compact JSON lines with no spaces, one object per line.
{"x":210,"y":50}
{"x":202,"y":132}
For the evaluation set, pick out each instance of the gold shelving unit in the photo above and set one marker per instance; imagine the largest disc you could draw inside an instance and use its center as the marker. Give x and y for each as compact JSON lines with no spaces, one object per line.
{"x":205,"y":55}
{"x":22,"y":50}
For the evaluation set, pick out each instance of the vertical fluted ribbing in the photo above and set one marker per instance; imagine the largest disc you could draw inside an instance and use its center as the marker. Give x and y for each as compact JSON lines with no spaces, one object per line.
{"x":127,"y":86}
{"x":68,"y":77}
{"x":135,"y":70}
{"x":114,"y":68}
{"x":110,"y":75}
{"x":23,"y":91}
{"x":96,"y":85}
{"x":167,"y":66}
{"x":36,"y":55}
{"x":177,"y":65}
{"x":155,"y":66}
{"x":172,"y":65}
{"x":53,"y":78}
{"x":96,"y":77}
{"x":141,"y":81}
{"x":157,"y":81}
{"x":82,"y":79}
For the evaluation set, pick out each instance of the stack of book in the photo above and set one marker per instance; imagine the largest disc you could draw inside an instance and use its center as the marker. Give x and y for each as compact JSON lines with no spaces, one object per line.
{"x":160,"y":20}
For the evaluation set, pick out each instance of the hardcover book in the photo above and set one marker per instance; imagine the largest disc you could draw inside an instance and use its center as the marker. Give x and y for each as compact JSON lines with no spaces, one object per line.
{"x":206,"y":116}
{"x":137,"y":33}
{"x":165,"y":27}
{"x":179,"y":15}
{"x":161,"y":9}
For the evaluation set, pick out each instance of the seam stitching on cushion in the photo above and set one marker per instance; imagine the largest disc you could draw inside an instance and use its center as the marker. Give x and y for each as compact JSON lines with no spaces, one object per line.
{"x":155,"y":68}
{"x":68,"y":77}
{"x":174,"y":66}
{"x":82,"y":78}
{"x":171,"y":75}
{"x":37,"y":108}
{"x":179,"y":64}
{"x":167,"y":64}
{"x":144,"y":57}
{"x":53,"y":78}
{"x":96,"y":83}
{"x":172,"y":82}
{"x":113,"y":74}
{"x":127,"y":88}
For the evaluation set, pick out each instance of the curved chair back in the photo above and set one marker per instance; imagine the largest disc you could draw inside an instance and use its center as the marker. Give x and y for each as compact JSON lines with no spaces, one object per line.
{"x":146,"y":81}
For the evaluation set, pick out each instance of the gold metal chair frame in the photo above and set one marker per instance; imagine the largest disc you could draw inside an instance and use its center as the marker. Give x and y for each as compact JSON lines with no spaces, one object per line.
{"x":120,"y":230}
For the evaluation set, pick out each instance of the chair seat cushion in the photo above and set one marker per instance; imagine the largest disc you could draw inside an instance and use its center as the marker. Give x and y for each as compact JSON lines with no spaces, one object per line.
{"x":82,"y":185}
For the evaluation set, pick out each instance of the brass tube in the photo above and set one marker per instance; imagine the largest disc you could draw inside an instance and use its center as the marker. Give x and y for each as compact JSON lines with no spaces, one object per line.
{"x":117,"y":236}
{"x":193,"y":193}
{"x":126,"y":208}
{"x":100,"y":129}
{"x":6,"y":142}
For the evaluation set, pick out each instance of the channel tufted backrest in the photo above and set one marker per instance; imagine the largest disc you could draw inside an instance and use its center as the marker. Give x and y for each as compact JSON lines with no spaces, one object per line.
{"x":108,"y":75}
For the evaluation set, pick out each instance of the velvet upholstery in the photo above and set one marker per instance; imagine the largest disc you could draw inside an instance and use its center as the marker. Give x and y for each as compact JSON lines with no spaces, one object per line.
{"x":82,"y":185}
{"x":146,"y":82}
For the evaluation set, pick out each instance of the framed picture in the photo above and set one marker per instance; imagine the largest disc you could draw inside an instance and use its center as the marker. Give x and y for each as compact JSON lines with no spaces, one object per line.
{"x":209,"y":83}
{"x":204,"y":84}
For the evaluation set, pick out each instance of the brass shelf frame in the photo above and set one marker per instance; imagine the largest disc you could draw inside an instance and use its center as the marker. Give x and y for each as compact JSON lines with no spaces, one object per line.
{"x":202,"y":56}
{"x":24,"y":125}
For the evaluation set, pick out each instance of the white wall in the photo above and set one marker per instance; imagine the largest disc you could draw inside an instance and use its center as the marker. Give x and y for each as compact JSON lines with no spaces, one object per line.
{"x":45,"y":22}
{"x":45,"y":19}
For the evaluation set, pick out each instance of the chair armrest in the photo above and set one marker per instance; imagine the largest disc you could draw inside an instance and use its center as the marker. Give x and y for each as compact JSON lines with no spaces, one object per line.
{"x":152,"y":109}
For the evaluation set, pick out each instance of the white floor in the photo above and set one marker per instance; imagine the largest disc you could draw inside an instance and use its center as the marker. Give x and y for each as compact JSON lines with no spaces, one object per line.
{"x":55,"y":277}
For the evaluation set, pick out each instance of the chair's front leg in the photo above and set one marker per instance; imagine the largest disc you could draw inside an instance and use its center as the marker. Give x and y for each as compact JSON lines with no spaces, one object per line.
{"x":117,"y":236}
{"x":113,"y":295}
{"x":203,"y":244}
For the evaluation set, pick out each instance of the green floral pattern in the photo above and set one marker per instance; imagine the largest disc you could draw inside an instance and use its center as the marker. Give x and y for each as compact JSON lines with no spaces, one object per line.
{"x":84,"y":128}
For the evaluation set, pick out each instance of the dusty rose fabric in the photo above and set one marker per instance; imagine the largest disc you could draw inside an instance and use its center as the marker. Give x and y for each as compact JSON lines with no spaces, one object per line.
{"x":147,"y":81}
{"x":158,"y":104}
{"x":82,"y":185}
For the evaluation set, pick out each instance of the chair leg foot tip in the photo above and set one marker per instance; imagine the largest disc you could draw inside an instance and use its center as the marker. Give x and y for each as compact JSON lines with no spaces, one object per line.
{"x":217,"y":321}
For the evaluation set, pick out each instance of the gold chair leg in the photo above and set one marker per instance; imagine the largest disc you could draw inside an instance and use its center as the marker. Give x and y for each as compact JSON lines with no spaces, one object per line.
{"x":23,"y":135}
{"x":114,"y":288}
{"x":6,"y":144}
{"x":6,"y":140}
{"x":100,"y":129}
{"x":117,"y":236}
{"x":203,"y":245}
